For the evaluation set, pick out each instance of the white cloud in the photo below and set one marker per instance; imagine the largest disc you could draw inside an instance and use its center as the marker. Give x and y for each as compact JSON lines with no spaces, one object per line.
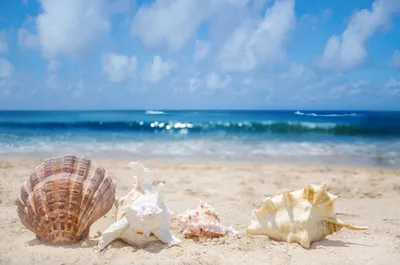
{"x":253,"y":44}
{"x":6,"y":68}
{"x":156,"y":70}
{"x":194,"y":82}
{"x":52,"y":81}
{"x":173,"y":22}
{"x":27,"y":39}
{"x":214,"y":81}
{"x":395,"y":60}
{"x":393,"y":83}
{"x":327,"y":13}
{"x":298,"y":72}
{"x":118,"y":67}
{"x":169,"y":22}
{"x":53,"y":66}
{"x":210,"y":81}
{"x":80,"y":83}
{"x":337,"y":92}
{"x":120,"y":6}
{"x":360,"y":83}
{"x":247,"y":81}
{"x":3,"y":47}
{"x":66,"y":27}
{"x":7,"y":81}
{"x":348,"y":50}
{"x":3,"y":43}
{"x":201,"y":50}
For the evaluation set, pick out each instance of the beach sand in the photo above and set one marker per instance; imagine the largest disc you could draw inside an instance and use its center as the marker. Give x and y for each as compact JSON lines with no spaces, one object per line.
{"x":367,"y":196}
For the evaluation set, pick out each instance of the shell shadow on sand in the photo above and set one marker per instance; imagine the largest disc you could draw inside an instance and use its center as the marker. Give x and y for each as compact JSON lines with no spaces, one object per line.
{"x":334,"y":243}
{"x":85,"y":243}
{"x":151,"y":247}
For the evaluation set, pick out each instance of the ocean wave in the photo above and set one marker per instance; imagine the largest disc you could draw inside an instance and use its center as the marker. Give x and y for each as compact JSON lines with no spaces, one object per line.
{"x":332,"y":152}
{"x":154,"y":112}
{"x":327,"y":115}
{"x":206,"y":127}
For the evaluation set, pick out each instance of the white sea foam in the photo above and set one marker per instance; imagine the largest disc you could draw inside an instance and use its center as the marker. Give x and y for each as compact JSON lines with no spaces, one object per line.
{"x":332,"y":152}
{"x":327,"y":115}
{"x":154,"y":112}
{"x":314,"y":125}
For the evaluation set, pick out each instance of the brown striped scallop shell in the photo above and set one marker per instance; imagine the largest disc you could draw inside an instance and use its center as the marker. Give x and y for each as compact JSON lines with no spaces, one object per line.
{"x":63,"y":197}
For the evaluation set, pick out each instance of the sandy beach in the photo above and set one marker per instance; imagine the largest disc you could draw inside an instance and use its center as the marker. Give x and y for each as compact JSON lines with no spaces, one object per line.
{"x":367,"y":196}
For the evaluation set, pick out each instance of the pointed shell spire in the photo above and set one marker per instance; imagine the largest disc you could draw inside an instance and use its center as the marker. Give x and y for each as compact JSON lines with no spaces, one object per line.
{"x":160,"y":194}
{"x":142,"y":184}
{"x":142,"y":175}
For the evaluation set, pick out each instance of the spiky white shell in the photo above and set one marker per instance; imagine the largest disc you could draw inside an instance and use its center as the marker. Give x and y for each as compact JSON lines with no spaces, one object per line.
{"x":301,"y":216}
{"x":142,"y":182}
{"x":146,"y":220}
{"x":203,"y":222}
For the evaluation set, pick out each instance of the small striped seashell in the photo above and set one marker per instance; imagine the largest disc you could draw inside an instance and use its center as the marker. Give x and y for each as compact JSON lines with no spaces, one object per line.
{"x":63,"y":197}
{"x":203,"y":222}
{"x":302,"y":216}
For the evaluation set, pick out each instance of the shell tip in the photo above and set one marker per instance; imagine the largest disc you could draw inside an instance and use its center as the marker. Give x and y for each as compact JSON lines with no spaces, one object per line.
{"x":160,"y":193}
{"x":269,"y":205}
{"x":286,"y":196}
{"x":320,"y":192}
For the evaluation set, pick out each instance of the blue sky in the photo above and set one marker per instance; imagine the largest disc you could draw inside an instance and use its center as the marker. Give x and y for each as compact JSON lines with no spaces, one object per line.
{"x":192,"y":54}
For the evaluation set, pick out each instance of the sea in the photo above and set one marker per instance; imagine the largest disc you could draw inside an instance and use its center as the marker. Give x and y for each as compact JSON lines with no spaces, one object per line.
{"x":368,"y":138}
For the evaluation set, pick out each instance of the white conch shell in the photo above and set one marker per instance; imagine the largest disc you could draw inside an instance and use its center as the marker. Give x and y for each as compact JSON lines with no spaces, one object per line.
{"x":147,"y":219}
{"x":302,"y":216}
{"x":143,"y":182}
{"x":203,"y":222}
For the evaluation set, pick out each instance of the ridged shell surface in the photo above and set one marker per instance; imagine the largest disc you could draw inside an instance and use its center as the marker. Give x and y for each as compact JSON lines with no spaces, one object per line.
{"x":203,"y":222}
{"x":63,"y":197}
{"x":302,"y":216}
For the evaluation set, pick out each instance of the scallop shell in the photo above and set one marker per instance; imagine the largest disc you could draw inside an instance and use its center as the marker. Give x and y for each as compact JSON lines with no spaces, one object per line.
{"x":63,"y":197}
{"x":203,"y":222}
{"x":146,"y":220}
{"x":302,"y":216}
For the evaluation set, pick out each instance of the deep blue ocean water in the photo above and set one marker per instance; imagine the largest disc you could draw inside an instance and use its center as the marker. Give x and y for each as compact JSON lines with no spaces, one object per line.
{"x":355,"y":137}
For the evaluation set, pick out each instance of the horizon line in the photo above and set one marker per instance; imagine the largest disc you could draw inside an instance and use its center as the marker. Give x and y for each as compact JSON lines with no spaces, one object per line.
{"x":224,"y":109}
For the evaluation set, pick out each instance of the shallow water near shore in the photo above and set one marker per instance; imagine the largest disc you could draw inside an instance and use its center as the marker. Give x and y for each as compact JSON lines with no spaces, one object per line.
{"x":335,"y":137}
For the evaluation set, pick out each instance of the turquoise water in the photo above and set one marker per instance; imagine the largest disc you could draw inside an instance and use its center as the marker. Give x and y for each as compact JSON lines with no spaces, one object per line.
{"x":353,"y":137}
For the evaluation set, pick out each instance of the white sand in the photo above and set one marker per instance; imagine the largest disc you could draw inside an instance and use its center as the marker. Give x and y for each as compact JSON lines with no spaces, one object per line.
{"x":367,"y":196}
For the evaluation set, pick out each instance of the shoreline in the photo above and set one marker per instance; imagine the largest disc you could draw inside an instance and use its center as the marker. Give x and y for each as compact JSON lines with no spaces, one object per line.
{"x":366,"y":197}
{"x":174,"y":159}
